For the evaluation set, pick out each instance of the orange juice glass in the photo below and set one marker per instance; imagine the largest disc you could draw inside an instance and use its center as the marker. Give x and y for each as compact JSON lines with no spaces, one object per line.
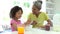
{"x":20,"y":30}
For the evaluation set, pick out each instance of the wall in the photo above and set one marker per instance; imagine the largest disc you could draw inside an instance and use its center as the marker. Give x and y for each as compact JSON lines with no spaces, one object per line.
{"x":6,"y":5}
{"x":57,"y":6}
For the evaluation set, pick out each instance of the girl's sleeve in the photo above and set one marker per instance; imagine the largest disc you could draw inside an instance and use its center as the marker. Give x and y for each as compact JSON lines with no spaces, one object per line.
{"x":12,"y":21}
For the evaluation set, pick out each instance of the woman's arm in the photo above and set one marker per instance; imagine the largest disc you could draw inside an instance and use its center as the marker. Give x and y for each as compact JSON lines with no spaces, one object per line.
{"x":28,"y":22}
{"x":50,"y":23}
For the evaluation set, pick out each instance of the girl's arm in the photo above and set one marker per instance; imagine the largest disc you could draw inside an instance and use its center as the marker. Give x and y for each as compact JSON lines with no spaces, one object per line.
{"x":14,"y":26}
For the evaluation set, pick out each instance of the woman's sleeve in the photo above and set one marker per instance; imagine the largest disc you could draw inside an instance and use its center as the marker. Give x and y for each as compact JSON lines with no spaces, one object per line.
{"x":29,"y":16}
{"x":46,"y":16}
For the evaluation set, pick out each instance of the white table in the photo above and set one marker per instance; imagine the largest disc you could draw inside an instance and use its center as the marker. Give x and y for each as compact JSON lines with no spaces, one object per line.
{"x":34,"y":31}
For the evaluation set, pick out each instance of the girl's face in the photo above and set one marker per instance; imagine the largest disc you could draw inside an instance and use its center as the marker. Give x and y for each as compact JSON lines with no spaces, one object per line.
{"x":18,"y":14}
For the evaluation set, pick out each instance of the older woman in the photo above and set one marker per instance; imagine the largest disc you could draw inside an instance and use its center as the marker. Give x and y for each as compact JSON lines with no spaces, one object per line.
{"x":38,"y":17}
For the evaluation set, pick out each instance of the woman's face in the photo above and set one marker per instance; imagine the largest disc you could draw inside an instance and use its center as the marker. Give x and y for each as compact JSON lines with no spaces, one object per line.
{"x":18,"y":14}
{"x":35,"y":10}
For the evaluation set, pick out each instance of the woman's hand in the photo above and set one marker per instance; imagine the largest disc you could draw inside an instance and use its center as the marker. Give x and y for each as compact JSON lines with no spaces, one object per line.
{"x":47,"y":27}
{"x":22,"y":25}
{"x":34,"y":23}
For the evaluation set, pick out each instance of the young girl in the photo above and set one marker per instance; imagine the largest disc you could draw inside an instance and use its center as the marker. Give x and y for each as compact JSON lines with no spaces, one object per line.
{"x":15,"y":13}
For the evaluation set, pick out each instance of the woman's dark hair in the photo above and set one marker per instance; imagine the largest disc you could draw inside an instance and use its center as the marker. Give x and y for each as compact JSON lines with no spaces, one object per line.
{"x":14,"y":10}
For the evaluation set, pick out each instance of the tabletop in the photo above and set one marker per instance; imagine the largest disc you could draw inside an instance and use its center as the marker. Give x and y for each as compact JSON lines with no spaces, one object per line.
{"x":34,"y":31}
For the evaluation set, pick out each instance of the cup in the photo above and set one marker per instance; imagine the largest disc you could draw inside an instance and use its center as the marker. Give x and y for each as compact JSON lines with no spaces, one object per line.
{"x":47,"y":28}
{"x":20,"y":30}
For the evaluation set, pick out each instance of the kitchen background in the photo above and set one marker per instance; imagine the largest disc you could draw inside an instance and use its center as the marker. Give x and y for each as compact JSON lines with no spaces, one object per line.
{"x":51,"y":7}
